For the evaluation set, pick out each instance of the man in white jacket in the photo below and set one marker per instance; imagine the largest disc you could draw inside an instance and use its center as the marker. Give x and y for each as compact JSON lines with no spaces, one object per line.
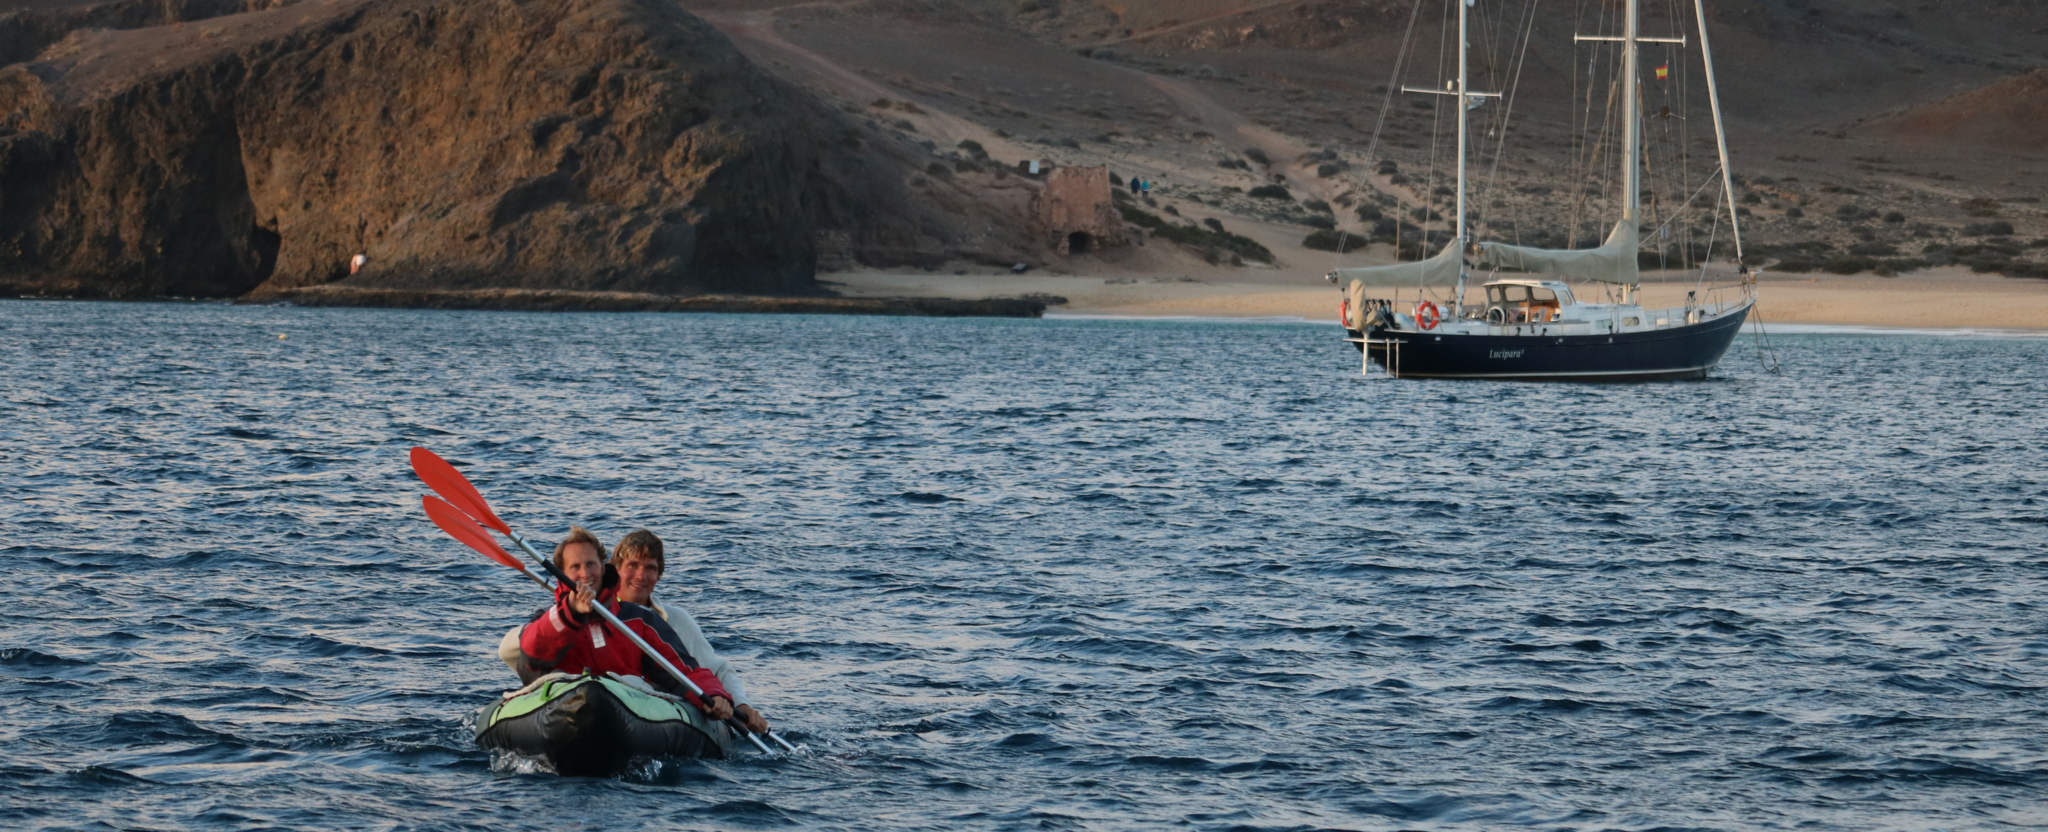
{"x":639,"y":559}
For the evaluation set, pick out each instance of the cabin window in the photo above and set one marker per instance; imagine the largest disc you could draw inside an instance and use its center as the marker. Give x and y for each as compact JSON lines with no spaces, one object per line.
{"x":1509,"y":294}
{"x":1544,"y":295}
{"x":1631,"y":322}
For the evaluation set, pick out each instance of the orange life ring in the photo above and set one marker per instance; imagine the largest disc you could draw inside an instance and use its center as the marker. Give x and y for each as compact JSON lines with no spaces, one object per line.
{"x":1344,"y":312}
{"x":1427,"y":315}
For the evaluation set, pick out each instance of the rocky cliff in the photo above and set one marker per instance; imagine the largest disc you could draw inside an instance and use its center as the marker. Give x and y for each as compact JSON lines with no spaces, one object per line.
{"x":600,"y":145}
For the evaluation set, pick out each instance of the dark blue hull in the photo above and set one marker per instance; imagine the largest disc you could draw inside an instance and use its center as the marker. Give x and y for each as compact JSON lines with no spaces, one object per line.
{"x":1685,"y":352}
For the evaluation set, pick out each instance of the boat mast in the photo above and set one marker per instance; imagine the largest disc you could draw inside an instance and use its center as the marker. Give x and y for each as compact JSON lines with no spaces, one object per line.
{"x":1632,"y":121}
{"x":1464,"y":133}
{"x":1632,"y":131}
{"x":1720,"y":134}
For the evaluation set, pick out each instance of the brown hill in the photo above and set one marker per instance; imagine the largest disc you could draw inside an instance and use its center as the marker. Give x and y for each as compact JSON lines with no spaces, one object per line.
{"x":597,"y":145}
{"x":1214,"y":98}
{"x":621,"y":145}
{"x":2010,"y":116}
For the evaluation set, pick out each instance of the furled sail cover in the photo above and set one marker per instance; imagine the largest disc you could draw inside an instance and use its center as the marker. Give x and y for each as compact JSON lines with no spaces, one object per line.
{"x":1613,"y":262}
{"x":1441,"y":270}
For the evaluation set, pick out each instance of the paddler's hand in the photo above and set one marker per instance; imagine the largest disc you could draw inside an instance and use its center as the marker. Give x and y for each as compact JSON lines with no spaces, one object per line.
{"x":755,"y":722}
{"x":583,"y":598}
{"x":719,"y":709}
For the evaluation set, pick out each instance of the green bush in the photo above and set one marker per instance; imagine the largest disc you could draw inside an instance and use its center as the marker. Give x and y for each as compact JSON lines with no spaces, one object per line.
{"x":1330,"y":241}
{"x":1197,"y":237}
{"x":1270,"y":192}
{"x":1849,"y":265}
{"x":1988,"y":229}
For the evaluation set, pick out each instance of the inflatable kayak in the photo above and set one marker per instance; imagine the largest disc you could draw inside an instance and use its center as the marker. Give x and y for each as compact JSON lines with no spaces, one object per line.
{"x":598,"y":726}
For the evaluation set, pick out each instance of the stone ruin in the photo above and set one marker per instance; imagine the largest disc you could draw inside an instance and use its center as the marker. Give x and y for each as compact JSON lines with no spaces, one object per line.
{"x":1076,"y":212}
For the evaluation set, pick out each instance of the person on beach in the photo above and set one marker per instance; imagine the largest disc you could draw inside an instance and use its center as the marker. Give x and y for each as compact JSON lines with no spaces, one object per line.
{"x":569,"y":636}
{"x":639,"y":560}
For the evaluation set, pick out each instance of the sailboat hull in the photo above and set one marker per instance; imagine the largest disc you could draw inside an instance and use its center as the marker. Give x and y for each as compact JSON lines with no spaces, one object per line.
{"x":1677,"y":353}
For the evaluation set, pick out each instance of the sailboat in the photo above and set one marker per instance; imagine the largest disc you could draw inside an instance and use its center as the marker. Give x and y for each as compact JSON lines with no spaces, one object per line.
{"x":1528,"y":324}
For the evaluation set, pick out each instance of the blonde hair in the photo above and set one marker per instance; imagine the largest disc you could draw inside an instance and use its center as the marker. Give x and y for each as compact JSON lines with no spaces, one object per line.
{"x":577,"y":534}
{"x":639,"y":543}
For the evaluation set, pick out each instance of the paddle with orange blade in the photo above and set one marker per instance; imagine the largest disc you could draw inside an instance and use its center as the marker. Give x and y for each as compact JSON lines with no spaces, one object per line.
{"x":455,"y":488}
{"x":464,"y":514}
{"x":460,"y":527}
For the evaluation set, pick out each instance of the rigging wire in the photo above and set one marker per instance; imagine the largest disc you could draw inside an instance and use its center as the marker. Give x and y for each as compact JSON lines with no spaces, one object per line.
{"x":1689,"y":200}
{"x":1587,"y":165}
{"x":1701,"y":283}
{"x":1507,"y":109}
{"x":1766,"y":352}
{"x":1684,"y":125}
{"x":1372,"y":147}
{"x":1436,"y":140}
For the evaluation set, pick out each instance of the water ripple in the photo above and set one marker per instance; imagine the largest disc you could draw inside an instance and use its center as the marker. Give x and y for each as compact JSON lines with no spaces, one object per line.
{"x":1025,"y":574}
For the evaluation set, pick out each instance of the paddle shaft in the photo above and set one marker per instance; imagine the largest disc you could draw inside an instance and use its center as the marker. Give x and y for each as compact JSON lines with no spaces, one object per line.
{"x":621,"y":628}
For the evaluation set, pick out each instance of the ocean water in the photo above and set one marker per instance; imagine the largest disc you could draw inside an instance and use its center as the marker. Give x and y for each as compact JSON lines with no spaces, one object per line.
{"x":1001,"y":574}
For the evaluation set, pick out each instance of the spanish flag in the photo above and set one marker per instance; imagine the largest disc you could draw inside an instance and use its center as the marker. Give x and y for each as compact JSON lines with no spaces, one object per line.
{"x":1663,"y":72}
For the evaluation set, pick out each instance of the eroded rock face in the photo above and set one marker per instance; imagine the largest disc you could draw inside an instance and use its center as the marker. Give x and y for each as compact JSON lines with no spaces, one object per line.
{"x":615,"y":145}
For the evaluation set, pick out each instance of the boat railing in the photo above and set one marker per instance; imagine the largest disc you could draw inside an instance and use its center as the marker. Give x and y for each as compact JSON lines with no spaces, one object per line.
{"x":1703,"y":303}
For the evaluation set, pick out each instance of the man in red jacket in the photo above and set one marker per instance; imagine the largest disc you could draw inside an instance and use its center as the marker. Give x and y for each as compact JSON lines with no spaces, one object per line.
{"x":571,"y":637}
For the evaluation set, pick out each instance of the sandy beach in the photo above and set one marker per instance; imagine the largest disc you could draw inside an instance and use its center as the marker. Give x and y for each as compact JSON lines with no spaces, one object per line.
{"x":1934,"y":299}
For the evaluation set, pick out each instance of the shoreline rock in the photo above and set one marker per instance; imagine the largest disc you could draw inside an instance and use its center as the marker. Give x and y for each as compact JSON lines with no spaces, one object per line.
{"x":564,"y":300}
